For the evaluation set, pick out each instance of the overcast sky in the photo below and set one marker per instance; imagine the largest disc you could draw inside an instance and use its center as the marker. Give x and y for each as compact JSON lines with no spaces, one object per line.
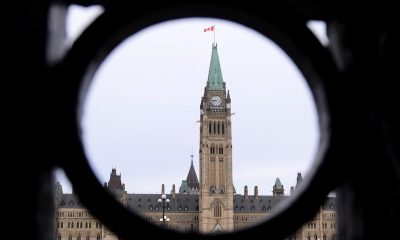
{"x":141,"y":111}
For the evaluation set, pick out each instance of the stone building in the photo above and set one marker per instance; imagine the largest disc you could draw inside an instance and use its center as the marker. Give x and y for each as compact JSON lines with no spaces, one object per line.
{"x":207,"y":206}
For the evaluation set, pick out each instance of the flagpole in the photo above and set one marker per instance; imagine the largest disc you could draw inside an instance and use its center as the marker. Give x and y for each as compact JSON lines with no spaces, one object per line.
{"x":214,"y":34}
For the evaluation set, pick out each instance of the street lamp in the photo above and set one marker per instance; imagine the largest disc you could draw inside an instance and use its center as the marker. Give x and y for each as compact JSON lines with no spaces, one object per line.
{"x":162,"y":202}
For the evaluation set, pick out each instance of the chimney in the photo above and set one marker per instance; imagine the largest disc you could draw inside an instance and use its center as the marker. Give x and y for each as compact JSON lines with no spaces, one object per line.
{"x":162,"y":189}
{"x":246,"y":192}
{"x":173,"y":191}
{"x":256,"y":192}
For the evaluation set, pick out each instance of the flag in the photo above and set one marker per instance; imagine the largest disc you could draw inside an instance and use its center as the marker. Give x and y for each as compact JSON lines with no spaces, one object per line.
{"x":209,"y":29}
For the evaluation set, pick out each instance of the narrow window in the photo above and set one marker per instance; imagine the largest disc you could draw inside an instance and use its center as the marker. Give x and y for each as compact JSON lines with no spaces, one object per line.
{"x":59,"y":237}
{"x":79,"y":237}
{"x":209,"y":128}
{"x":324,"y":237}
{"x":98,"y":237}
{"x":217,"y":210}
{"x":223,"y":129}
{"x":214,"y":128}
{"x":70,"y":236}
{"x":315,"y":237}
{"x":62,"y":225}
{"x":87,"y":237}
{"x":86,"y":225}
{"x":218,"y":127}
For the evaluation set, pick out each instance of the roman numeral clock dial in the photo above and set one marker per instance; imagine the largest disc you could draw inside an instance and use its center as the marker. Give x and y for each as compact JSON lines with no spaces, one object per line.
{"x":215,"y":101}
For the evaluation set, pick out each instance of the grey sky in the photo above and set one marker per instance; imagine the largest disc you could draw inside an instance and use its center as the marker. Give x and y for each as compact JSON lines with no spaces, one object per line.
{"x":140,"y":114}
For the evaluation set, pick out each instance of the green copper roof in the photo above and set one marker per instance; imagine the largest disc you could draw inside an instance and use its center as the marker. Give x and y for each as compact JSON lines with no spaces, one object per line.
{"x":278,"y":183}
{"x":215,"y":80}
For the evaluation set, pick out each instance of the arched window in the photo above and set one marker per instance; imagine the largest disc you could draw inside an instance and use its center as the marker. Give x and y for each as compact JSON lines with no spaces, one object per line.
{"x":86,"y":225}
{"x":217,"y":210}
{"x":98,"y":237}
{"x":223,"y":128}
{"x":79,"y":237}
{"x":221,"y":150}
{"x":214,"y":128}
{"x":209,"y":128}
{"x":87,"y":237}
{"x":70,"y":236}
{"x":308,"y":237}
{"x":61,"y":225}
{"x":324,"y":237}
{"x":59,"y":236}
{"x":218,"y":127}
{"x":264,"y":209}
{"x":315,"y":237}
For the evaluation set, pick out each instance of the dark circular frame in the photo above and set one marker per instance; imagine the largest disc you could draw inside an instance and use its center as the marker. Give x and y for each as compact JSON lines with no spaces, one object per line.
{"x":118,"y":23}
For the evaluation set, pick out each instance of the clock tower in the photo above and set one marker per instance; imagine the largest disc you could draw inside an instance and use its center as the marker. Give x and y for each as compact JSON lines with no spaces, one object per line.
{"x":216,"y":185}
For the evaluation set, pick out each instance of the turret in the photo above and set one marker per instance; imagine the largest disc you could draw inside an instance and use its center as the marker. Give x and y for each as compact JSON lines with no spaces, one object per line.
{"x":173,"y":191}
{"x":277,"y":189}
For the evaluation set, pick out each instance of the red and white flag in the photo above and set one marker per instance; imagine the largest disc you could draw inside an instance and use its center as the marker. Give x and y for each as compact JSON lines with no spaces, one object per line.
{"x":209,"y":29}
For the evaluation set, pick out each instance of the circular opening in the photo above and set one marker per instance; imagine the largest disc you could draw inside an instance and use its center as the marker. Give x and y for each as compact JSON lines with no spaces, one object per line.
{"x":309,"y":66}
{"x":141,"y":121}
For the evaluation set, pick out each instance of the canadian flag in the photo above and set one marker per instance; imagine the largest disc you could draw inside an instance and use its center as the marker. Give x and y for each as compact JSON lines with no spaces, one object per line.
{"x":209,"y":29}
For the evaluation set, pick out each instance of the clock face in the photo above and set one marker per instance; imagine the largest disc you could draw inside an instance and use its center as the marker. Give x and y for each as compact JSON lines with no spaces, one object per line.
{"x":215,"y":101}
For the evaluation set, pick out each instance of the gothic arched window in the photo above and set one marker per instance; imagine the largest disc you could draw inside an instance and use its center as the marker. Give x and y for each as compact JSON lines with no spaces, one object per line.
{"x":98,"y":237}
{"x":70,"y":236}
{"x":217,"y":210}
{"x":59,"y":237}
{"x":87,"y":237}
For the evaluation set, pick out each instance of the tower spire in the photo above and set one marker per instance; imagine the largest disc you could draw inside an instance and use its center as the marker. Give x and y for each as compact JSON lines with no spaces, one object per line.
{"x":215,"y":80}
